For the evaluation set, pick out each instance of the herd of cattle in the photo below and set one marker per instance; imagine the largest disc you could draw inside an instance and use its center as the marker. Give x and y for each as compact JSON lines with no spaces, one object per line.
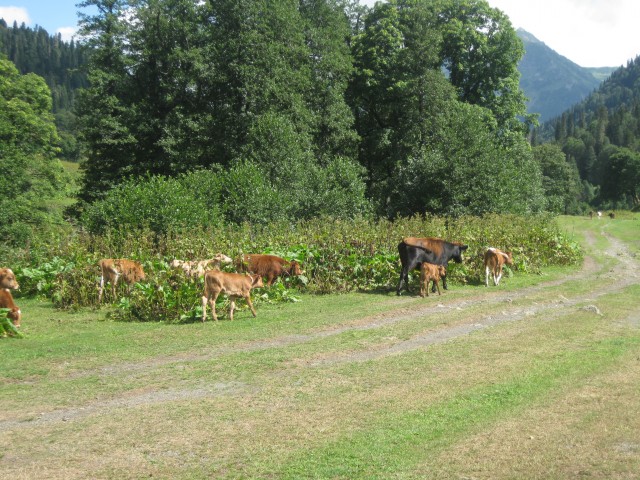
{"x":429,"y":255}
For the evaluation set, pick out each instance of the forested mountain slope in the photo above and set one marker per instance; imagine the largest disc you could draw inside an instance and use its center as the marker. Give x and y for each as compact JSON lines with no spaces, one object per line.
{"x":551,"y":82}
{"x":601,"y":135}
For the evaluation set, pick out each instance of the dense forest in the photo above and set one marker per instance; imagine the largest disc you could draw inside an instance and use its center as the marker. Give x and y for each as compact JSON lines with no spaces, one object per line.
{"x":59,"y":63}
{"x":191,"y":113}
{"x":601,"y":137}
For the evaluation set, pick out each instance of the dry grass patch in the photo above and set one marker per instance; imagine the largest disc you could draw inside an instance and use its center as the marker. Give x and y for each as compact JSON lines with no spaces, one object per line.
{"x":591,"y":430}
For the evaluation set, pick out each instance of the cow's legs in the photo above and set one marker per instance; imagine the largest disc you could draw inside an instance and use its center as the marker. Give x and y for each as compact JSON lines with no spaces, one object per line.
{"x":444,"y":284}
{"x":232,"y":306}
{"x":212,"y":302}
{"x":253,"y":310}
{"x":205,"y":301}
{"x":403,"y":276}
{"x":100,"y":289}
{"x":486,"y":278}
{"x":499,"y":276}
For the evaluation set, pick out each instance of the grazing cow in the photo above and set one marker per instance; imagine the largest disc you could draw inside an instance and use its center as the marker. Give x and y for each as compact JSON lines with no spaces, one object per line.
{"x":268,"y":266}
{"x":428,"y":273}
{"x":599,"y":215}
{"x":111,"y":269}
{"x":8,"y":282}
{"x":612,"y":215}
{"x":591,"y":215}
{"x":235,"y":285}
{"x":197,"y":268}
{"x":414,"y":251}
{"x":494,"y":260}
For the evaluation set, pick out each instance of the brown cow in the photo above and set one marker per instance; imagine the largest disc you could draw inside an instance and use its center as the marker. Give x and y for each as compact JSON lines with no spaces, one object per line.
{"x":235,"y":285}
{"x":8,"y":282}
{"x":494,"y":260}
{"x":197,"y":268}
{"x":111,"y":269}
{"x":268,"y":266}
{"x":430,"y":272}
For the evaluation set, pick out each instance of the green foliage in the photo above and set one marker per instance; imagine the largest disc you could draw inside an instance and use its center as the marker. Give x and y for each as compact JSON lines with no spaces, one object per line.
{"x":560,"y":179}
{"x":31,"y":179}
{"x":336,"y":256}
{"x":7,"y":328}
{"x":158,"y":204}
{"x":621,"y":180}
{"x":471,"y":173}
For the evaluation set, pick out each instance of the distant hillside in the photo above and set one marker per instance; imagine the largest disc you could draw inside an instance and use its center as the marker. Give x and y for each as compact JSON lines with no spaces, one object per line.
{"x":601,"y":136}
{"x":552,"y":82}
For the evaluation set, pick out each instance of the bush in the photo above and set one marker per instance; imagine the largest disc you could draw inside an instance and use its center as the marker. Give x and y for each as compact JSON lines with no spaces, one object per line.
{"x":158,"y":204}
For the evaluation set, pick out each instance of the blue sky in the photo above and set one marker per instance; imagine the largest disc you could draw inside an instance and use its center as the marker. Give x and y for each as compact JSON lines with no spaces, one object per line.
{"x":52,"y":15}
{"x":591,"y":33}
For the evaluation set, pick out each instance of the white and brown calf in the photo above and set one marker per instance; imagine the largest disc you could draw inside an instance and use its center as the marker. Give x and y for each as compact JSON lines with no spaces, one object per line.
{"x":431,"y":273}
{"x":197,"y":268}
{"x":234,"y":285}
{"x":9,"y":282}
{"x":112,"y":269}
{"x":494,"y":260}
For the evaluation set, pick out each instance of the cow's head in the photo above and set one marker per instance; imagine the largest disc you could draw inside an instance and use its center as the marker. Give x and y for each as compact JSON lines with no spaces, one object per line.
{"x":442,"y":271}
{"x":222,"y":259}
{"x":175,"y":263}
{"x":8,"y":279}
{"x":508,"y":258}
{"x":295,"y":268}
{"x":256,"y":281}
{"x":457,"y":251}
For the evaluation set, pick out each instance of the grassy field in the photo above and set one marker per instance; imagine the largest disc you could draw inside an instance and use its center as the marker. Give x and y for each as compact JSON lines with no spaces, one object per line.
{"x":536,"y":378}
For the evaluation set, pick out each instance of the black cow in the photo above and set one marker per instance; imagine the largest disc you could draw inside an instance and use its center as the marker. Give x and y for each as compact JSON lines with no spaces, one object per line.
{"x":413,"y":251}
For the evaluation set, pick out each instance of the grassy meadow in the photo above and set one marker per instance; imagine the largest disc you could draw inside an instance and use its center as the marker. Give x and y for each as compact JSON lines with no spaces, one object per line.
{"x":535,"y":378}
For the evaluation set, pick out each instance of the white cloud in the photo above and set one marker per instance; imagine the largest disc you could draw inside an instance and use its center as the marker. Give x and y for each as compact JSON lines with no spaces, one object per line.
{"x":67,"y":33}
{"x":15,"y":14}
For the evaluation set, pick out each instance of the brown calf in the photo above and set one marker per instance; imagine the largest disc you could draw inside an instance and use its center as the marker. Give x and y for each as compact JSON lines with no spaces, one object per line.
{"x":111,"y":269}
{"x":494,"y":260}
{"x":268,"y":266}
{"x":197,"y":268}
{"x":8,"y":282}
{"x":235,"y":285}
{"x":430,"y":272}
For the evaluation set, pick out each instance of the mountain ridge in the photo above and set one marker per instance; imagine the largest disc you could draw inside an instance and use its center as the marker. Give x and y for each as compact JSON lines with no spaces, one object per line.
{"x":552,"y":82}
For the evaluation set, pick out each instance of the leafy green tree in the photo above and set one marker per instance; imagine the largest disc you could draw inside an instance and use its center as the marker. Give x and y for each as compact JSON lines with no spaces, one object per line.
{"x":560,"y":179}
{"x":30,"y":176}
{"x":420,"y":155}
{"x":621,"y":177}
{"x":471,"y":173}
{"x":481,"y":50}
{"x":104,"y":112}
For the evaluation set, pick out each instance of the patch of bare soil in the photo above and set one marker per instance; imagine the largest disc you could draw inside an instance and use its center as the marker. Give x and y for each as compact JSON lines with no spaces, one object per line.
{"x":500,"y":306}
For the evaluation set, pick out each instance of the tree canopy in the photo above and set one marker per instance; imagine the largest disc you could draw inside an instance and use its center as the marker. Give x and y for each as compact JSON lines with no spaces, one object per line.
{"x":30,"y":176}
{"x":424,"y":95}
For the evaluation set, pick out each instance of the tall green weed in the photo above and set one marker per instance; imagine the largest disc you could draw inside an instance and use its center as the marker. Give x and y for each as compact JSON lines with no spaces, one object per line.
{"x":336,"y":255}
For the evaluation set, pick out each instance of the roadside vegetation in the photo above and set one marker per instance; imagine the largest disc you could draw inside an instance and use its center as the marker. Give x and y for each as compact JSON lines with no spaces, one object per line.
{"x":337,"y":256}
